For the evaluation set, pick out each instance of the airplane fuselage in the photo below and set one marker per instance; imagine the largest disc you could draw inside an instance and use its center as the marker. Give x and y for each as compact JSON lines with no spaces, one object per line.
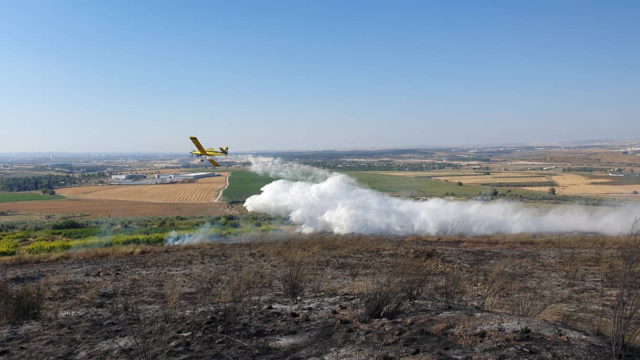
{"x":209,"y":152}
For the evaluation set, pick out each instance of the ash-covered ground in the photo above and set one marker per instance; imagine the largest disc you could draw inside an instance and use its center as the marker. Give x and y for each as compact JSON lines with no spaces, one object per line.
{"x":323,"y":297}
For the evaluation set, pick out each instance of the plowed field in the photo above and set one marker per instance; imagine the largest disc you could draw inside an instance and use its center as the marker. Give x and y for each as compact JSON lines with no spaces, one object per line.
{"x":202,"y":191}
{"x":113,"y":208}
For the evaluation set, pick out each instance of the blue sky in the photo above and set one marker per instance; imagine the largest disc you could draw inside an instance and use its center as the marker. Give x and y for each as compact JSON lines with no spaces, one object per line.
{"x":121,"y":76}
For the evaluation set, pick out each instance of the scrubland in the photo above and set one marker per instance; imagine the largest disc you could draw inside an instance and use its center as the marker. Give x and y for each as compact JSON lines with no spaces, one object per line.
{"x":325,"y":296}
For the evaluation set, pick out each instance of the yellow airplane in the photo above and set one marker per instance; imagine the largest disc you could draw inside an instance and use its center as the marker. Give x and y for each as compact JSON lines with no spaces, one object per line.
{"x":223,"y":151}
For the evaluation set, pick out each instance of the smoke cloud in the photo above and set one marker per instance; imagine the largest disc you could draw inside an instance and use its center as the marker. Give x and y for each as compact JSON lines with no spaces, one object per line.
{"x":317,"y":200}
{"x":202,"y":234}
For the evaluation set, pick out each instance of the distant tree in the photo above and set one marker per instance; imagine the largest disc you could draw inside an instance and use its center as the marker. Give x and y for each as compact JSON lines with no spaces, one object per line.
{"x":494,"y":192}
{"x":48,"y":192}
{"x":552,"y":191}
{"x":67,"y":224}
{"x":460,"y":183}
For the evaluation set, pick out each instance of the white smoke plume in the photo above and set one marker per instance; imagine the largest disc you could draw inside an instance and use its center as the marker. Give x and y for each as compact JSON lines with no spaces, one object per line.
{"x":336,"y":203}
{"x":202,"y":234}
{"x":286,"y":170}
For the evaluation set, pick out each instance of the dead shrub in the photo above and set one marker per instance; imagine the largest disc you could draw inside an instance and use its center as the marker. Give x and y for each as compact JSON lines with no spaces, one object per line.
{"x":243,"y":285}
{"x":410,"y":278}
{"x":494,"y":284}
{"x":20,"y":303}
{"x":526,"y":301}
{"x":452,"y":285}
{"x":292,"y":279}
{"x":148,"y":332}
{"x":207,"y":290}
{"x":381,"y":299}
{"x":625,"y":319}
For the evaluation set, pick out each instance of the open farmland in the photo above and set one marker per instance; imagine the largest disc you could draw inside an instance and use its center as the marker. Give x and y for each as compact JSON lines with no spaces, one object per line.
{"x":403,"y":185}
{"x":25,"y":196}
{"x":498,"y":178}
{"x":202,"y":191}
{"x":111,"y":208}
{"x":574,"y":184}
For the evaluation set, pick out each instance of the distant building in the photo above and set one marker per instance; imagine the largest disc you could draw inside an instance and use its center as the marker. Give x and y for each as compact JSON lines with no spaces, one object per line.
{"x":165,"y":176}
{"x":128,"y":177}
{"x":195,"y":175}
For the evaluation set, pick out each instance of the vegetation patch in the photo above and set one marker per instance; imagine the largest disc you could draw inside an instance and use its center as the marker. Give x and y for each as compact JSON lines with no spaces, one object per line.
{"x":15,"y":197}
{"x":41,"y":247}
{"x":8,"y":247}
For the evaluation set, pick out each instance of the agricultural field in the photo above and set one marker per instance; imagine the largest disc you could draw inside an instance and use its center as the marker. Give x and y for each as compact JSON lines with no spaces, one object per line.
{"x":411,"y":184}
{"x":26,"y":196}
{"x":202,"y":191}
{"x":242,"y":184}
{"x":110,"y":208}
{"x":575,"y":184}
{"x":585,"y":157}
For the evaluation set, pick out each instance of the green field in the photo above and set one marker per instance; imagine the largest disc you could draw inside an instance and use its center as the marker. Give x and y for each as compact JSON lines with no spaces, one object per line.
{"x":409,"y":185}
{"x":20,"y":196}
{"x":243,"y":184}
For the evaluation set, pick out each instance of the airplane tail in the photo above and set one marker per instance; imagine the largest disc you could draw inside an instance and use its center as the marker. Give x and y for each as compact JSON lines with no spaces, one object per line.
{"x":224,"y":150}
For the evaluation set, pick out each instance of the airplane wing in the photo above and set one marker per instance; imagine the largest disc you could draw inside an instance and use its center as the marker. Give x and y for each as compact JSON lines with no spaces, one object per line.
{"x":213,"y":162}
{"x":198,"y":145}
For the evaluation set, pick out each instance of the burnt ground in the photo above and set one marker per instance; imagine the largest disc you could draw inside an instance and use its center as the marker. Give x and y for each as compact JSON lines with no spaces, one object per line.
{"x":323,"y":297}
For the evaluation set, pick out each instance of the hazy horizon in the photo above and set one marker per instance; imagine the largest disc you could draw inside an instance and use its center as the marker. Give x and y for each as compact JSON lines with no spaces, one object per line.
{"x":121,"y":77}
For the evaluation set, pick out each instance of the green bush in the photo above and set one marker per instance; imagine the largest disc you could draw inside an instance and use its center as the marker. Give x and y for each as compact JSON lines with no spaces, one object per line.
{"x":151,"y":239}
{"x":75,"y":233}
{"x":8,"y":247}
{"x":17,"y":236}
{"x":67,"y":224}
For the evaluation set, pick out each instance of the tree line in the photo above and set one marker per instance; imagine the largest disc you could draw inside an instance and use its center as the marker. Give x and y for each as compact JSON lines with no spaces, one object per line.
{"x":41,"y":182}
